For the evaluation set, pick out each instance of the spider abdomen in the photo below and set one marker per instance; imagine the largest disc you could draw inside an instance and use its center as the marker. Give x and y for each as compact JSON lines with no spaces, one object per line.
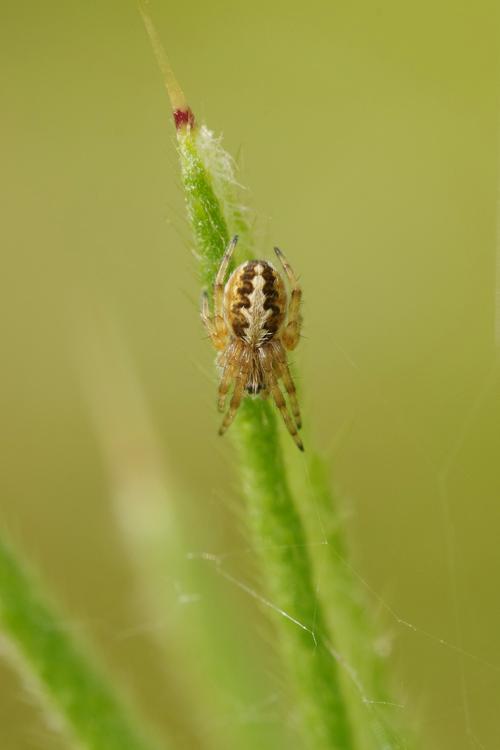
{"x":255,"y":302}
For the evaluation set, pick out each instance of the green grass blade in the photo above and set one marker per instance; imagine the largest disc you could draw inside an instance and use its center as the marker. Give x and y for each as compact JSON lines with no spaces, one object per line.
{"x":273,"y":518}
{"x":281,"y":542}
{"x":69,"y":685}
{"x":377,"y":712}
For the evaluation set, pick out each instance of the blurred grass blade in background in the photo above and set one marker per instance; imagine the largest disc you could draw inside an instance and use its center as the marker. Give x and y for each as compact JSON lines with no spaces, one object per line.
{"x":206,"y":674}
{"x":74,"y":696}
{"x":363,"y":654}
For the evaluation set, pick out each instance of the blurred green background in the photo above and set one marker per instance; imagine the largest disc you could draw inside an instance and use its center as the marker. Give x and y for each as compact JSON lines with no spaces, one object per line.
{"x":368,"y":138}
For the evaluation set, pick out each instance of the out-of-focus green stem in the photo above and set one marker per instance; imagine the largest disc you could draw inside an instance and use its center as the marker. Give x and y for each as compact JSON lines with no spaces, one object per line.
{"x":279,"y":535}
{"x":377,"y":719}
{"x":69,"y":684}
{"x":207,"y":673}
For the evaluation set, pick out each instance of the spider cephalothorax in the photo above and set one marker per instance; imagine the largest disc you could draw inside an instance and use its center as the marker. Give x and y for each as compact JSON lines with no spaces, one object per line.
{"x":250,"y":331}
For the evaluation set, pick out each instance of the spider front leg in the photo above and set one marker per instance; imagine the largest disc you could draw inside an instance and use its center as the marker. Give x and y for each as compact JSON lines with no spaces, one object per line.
{"x":215,"y":324}
{"x":221,"y":275}
{"x":291,"y":332}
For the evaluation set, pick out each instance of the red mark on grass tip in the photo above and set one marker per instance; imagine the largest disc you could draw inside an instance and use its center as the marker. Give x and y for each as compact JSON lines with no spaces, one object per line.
{"x":183,"y":118}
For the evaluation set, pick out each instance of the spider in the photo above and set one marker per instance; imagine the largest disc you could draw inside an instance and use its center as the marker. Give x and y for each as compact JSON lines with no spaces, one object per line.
{"x":249,"y":331}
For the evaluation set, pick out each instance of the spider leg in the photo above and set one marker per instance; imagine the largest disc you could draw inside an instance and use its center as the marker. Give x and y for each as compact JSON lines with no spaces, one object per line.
{"x":239,"y":388}
{"x":286,"y":376}
{"x":206,"y":318}
{"x":224,"y":384}
{"x":219,"y":279}
{"x":216,"y":326}
{"x":231,"y":363}
{"x":272,"y":385}
{"x":281,"y":404}
{"x":291,"y":332}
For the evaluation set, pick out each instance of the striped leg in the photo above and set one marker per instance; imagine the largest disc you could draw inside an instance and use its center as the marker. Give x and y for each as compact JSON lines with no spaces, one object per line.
{"x":272,"y":385}
{"x":281,"y":404}
{"x":216,"y":327}
{"x":239,"y":388}
{"x":225,"y":382}
{"x":220,"y":278}
{"x":286,"y":376}
{"x":291,"y":332}
{"x":231,"y":362}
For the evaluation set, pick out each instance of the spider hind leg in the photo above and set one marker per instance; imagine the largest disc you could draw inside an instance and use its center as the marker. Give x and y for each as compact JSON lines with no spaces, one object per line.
{"x":238,"y":392}
{"x":273,"y":387}
{"x":286,"y":376}
{"x":289,"y":422}
{"x":238,"y":367}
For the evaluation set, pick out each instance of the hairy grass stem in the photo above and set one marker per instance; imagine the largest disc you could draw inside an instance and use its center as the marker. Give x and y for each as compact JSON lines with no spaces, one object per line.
{"x":273,"y":517}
